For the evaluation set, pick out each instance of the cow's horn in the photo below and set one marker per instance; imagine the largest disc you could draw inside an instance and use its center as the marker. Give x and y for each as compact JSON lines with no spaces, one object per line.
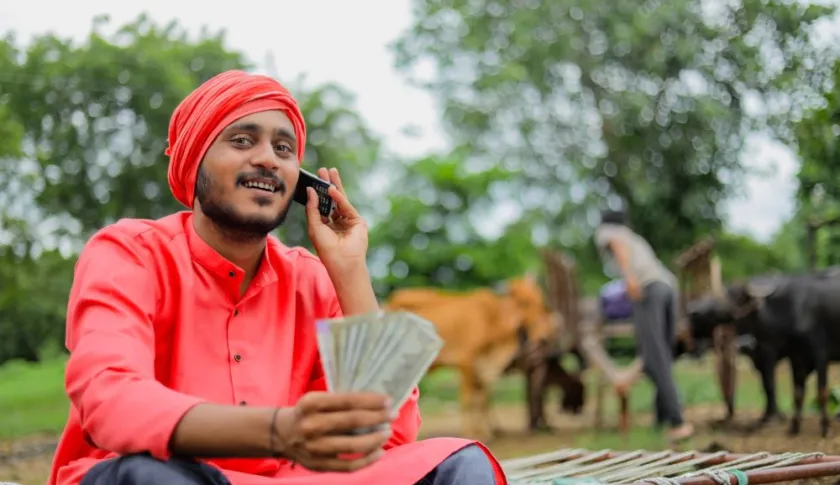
{"x":760,"y":290}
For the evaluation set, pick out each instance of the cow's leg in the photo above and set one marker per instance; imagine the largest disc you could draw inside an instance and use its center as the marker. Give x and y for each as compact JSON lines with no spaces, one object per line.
{"x":470,"y":408}
{"x":764,"y":361}
{"x":799,"y":372}
{"x":536,"y":384}
{"x":488,"y":426}
{"x":822,"y":393}
{"x":489,"y":367}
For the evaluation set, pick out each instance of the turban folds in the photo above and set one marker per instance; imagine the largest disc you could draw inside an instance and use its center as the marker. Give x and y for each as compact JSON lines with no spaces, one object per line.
{"x":211,"y":107}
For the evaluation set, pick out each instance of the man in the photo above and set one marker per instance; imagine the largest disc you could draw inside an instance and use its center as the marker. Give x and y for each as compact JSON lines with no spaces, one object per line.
{"x":192,"y":336}
{"x":652,"y":287}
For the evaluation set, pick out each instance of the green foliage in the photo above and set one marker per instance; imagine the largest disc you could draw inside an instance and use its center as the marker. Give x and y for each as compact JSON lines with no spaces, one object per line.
{"x":33,"y":302}
{"x":593,"y":100}
{"x":818,"y":194}
{"x":742,"y":257}
{"x":432,"y":235}
{"x":790,"y":243}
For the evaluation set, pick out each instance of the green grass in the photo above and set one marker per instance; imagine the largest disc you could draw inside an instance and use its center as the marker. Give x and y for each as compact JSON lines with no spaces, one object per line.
{"x":696,"y":380}
{"x":34,"y":402}
{"x":32,"y":398}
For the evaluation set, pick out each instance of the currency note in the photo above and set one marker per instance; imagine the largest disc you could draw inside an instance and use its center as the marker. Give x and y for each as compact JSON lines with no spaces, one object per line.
{"x":356,"y":341}
{"x":413,"y":347}
{"x":388,"y":347}
{"x":338,"y":353}
{"x":389,"y":336}
{"x":383,"y":352}
{"x":326,"y":349}
{"x":406,"y":365}
{"x":373,"y":334}
{"x":354,"y":330}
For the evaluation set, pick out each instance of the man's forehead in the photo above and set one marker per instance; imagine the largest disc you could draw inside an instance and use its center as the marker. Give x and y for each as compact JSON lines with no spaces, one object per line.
{"x":264,"y":121}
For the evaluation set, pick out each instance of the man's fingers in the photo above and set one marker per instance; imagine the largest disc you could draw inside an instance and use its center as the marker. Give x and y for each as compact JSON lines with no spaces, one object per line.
{"x":343,"y":401}
{"x":336,"y":179}
{"x":340,"y":422}
{"x":313,"y":216}
{"x":330,"y":446}
{"x":324,"y":174}
{"x":342,"y":205}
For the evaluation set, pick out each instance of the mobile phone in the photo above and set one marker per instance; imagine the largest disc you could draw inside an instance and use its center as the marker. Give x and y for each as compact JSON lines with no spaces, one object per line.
{"x":326,"y":206}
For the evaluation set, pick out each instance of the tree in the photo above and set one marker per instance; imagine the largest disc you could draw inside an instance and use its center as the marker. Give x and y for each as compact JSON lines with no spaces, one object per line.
{"x":434,"y":235}
{"x":598,"y":101}
{"x":818,"y":194}
{"x":33,"y":302}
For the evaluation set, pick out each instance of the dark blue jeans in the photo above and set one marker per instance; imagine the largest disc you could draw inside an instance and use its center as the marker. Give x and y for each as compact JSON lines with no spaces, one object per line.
{"x":468,"y":466}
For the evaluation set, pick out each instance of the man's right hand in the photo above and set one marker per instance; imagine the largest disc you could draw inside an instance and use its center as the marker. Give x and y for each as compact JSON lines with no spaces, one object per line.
{"x":316,"y":432}
{"x":634,"y":290}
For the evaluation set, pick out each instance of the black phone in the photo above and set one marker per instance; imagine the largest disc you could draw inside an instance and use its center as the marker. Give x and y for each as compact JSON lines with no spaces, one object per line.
{"x":326,"y":206}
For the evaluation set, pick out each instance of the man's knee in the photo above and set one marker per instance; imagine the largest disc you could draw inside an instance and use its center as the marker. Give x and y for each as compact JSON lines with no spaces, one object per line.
{"x":467,"y":465}
{"x":143,"y":469}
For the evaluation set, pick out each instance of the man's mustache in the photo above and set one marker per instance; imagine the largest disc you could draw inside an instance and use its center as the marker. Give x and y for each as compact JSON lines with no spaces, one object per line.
{"x":263,"y":174}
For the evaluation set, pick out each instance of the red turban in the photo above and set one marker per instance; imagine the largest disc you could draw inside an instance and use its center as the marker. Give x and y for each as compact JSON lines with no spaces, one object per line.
{"x":211,"y":107}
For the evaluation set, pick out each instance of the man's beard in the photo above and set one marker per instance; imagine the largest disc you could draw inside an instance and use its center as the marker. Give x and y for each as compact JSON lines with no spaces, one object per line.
{"x":232,"y":224}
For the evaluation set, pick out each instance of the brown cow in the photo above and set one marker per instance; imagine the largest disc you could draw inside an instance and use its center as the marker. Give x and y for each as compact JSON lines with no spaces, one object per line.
{"x":481,"y":330}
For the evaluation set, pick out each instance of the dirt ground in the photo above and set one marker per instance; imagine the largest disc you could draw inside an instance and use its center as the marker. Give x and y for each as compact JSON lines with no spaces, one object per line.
{"x":28,"y":461}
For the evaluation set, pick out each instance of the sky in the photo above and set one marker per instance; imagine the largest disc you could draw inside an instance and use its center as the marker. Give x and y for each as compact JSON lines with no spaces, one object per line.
{"x":347,"y":42}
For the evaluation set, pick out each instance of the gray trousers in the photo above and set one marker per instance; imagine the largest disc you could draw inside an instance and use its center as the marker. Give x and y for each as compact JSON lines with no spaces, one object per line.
{"x":467,"y":466}
{"x":655,"y":317}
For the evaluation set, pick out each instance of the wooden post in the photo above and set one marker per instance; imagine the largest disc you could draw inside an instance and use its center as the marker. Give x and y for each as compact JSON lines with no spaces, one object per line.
{"x":585,"y":331}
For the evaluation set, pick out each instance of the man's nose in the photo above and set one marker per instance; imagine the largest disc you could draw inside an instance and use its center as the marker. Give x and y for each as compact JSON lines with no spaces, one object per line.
{"x":264,"y":156}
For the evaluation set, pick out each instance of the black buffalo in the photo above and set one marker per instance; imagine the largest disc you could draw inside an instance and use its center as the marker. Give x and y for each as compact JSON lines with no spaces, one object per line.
{"x":793,"y":316}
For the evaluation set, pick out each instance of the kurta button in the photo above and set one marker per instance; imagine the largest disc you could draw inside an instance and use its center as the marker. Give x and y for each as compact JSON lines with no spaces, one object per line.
{"x":232,"y":274}
{"x":243,"y":403}
{"x":237,"y":357}
{"x":235,"y":313}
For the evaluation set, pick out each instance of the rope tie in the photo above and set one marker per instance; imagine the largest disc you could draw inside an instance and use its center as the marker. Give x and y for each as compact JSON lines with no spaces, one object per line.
{"x":722,"y":476}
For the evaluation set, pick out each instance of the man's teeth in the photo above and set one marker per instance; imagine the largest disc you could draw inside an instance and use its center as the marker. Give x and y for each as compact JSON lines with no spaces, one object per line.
{"x":260,"y":185}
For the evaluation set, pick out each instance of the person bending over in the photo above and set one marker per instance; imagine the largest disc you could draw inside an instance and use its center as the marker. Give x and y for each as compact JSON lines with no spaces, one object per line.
{"x":652,"y":287}
{"x":193,"y":357}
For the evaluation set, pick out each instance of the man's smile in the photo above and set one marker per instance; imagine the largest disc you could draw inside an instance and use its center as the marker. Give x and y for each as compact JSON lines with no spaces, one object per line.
{"x":264,"y":185}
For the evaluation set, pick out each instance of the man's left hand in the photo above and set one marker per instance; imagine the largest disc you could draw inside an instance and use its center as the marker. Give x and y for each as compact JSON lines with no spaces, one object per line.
{"x":344,"y":241}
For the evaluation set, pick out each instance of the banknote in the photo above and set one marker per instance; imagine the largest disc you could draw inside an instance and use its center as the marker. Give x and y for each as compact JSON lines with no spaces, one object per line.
{"x":326,"y":349}
{"x":387,"y":352}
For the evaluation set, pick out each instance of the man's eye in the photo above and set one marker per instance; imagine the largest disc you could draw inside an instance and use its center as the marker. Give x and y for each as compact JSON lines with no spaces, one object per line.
{"x":283,"y":147}
{"x":241,"y":140}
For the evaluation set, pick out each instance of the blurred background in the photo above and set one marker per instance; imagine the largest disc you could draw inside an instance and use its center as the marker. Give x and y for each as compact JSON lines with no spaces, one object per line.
{"x":471,"y":133}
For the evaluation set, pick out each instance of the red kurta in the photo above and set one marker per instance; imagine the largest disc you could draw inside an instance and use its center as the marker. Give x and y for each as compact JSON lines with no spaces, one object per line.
{"x":156,"y":325}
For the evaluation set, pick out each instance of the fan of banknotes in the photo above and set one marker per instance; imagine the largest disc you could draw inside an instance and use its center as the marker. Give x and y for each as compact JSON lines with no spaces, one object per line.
{"x":387,"y":352}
